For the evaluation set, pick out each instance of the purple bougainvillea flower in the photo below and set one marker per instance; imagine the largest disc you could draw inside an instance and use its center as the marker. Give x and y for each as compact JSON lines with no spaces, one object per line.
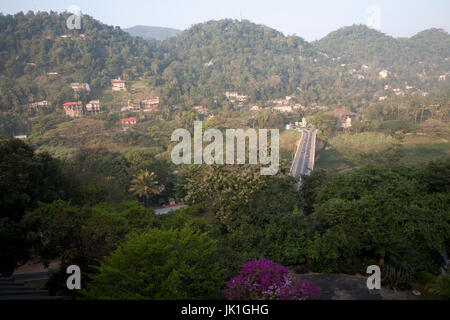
{"x":266,"y":280}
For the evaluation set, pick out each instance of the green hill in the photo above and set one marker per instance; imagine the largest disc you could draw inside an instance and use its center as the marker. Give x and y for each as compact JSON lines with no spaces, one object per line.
{"x":40,"y":57}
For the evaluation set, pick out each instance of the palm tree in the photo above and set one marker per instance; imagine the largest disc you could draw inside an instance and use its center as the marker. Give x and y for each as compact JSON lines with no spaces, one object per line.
{"x":144,"y":185}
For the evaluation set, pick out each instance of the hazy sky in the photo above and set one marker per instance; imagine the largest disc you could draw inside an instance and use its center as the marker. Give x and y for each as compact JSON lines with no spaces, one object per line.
{"x":310,"y":19}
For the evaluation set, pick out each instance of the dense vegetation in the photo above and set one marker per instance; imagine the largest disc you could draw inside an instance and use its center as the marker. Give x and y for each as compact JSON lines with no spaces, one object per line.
{"x":335,"y":223}
{"x":203,"y":62}
{"x":80,"y":191}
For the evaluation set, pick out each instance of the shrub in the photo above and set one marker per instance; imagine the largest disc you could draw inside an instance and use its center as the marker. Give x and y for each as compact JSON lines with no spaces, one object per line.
{"x":267,"y":280}
{"x":81,"y":236}
{"x":440,"y":287}
{"x":397,"y":213}
{"x":160,"y":264}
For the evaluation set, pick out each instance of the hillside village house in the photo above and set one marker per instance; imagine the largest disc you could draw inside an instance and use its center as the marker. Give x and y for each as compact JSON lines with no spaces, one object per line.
{"x":256,"y":109}
{"x":345,"y":118}
{"x":383,"y":74}
{"x":304,"y":123}
{"x":235,"y":96}
{"x":73,"y":109}
{"x":399,"y":92}
{"x":132,"y":106}
{"x":347,"y":124}
{"x":37,"y":105}
{"x":127,"y":122}
{"x":118,"y":85}
{"x":200,"y":109}
{"x":150,"y":104}
{"x":284,"y":101}
{"x":283,"y":109}
{"x":93,"y":106}
{"x":297,"y":125}
{"x":80,"y":86}
{"x":287,"y":108}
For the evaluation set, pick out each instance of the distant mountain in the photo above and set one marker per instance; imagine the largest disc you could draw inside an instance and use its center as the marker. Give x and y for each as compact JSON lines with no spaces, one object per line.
{"x":158,"y":33}
{"x":359,"y":42}
{"x":341,"y":69}
{"x":216,"y":56}
{"x":417,"y":60}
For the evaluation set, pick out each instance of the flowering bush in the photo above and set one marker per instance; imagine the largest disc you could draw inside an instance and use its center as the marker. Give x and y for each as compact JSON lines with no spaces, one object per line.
{"x":267,"y":280}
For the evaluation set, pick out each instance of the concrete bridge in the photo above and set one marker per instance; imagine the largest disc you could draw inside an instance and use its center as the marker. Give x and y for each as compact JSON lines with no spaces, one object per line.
{"x":303,"y":162}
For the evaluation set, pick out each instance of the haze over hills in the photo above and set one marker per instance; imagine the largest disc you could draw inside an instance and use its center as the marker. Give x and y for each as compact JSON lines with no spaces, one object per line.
{"x":148,"y":32}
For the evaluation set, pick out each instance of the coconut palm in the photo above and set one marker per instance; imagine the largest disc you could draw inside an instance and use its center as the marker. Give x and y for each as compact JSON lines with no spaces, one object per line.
{"x":144,"y":185}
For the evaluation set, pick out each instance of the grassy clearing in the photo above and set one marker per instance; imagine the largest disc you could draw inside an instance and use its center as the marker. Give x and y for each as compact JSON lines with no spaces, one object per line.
{"x":357,"y":150}
{"x":424,"y":148}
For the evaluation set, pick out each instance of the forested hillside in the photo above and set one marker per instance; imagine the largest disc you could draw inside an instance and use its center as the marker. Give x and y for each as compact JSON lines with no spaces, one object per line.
{"x":354,"y":68}
{"x":210,"y":58}
{"x":40,"y":56}
{"x":418,"y":61}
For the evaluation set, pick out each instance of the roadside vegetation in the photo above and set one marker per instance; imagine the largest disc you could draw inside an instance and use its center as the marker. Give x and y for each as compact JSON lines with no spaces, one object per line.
{"x":336,"y":223}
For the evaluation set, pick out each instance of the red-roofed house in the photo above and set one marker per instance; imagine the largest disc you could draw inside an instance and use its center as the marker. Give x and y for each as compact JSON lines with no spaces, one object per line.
{"x":127,"y":122}
{"x":73,"y":109}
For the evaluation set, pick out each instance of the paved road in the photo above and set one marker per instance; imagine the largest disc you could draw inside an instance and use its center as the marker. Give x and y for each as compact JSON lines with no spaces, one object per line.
{"x":303,"y":162}
{"x":26,"y":286}
{"x":346,"y":287}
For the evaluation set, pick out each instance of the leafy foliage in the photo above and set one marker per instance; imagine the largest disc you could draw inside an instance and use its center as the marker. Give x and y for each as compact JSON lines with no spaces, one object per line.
{"x":158,"y":264}
{"x":440,"y":287}
{"x":25,"y":179}
{"x":381,"y":211}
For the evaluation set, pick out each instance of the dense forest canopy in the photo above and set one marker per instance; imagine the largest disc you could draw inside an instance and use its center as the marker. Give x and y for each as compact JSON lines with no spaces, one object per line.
{"x":208,"y":59}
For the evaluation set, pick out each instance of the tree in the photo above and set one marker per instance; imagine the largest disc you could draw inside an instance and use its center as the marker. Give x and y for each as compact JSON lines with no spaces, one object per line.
{"x":160,"y":264}
{"x":326,"y":123}
{"x":81,"y":235}
{"x":25,"y":179}
{"x":144,"y":185}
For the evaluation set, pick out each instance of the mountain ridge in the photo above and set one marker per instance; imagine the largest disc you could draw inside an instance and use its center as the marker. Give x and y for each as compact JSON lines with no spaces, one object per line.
{"x":211,"y":58}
